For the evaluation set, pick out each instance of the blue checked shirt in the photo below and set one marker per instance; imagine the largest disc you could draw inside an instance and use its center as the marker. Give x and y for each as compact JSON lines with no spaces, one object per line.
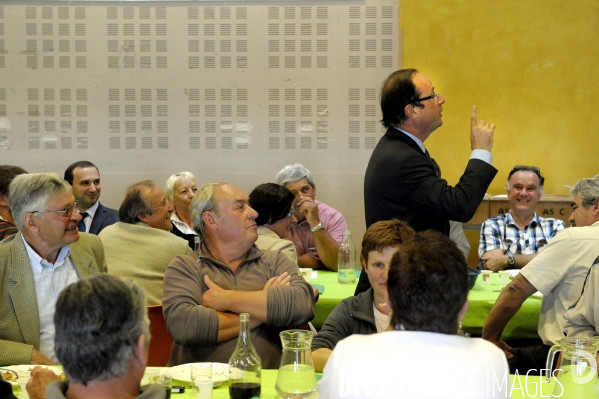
{"x":501,"y":232}
{"x":50,"y":279}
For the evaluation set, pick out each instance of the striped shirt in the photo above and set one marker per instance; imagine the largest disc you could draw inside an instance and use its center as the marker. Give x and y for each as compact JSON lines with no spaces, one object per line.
{"x":7,"y":229}
{"x":501,"y":232}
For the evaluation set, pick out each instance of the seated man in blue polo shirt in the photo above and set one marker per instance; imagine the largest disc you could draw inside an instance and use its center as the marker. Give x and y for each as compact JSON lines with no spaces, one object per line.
{"x":512,"y":240}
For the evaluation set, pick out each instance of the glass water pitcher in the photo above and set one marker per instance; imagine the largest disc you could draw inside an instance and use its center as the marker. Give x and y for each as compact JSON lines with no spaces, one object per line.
{"x":577,"y":377}
{"x":296,"y":376}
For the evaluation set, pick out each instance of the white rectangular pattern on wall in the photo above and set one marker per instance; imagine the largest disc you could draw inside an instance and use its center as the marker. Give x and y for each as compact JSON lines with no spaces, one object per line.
{"x":219,"y":90}
{"x":232,"y":78}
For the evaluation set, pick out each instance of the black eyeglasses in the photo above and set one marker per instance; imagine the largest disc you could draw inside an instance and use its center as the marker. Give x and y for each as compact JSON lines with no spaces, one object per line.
{"x":67,"y":212}
{"x":434,"y":95}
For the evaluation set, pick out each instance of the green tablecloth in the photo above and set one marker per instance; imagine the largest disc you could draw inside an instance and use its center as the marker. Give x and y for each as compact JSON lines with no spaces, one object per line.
{"x":269,"y":378}
{"x":520,"y":387}
{"x":333,"y":294}
{"x":481,"y":299}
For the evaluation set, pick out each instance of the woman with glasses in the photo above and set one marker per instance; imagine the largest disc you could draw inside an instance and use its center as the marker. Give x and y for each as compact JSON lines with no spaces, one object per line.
{"x":273,"y":204}
{"x":179,"y":191}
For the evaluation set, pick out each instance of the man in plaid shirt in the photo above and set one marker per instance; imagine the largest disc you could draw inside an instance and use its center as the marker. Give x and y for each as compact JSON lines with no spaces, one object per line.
{"x":512,"y":240}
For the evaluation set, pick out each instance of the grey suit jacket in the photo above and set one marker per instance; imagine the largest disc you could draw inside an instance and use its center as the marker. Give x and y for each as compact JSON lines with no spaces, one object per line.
{"x":19,"y":314}
{"x":104,"y":217}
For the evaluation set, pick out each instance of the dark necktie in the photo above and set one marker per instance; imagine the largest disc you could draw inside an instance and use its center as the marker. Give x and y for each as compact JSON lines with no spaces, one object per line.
{"x":81,"y":225}
{"x":435,"y":164}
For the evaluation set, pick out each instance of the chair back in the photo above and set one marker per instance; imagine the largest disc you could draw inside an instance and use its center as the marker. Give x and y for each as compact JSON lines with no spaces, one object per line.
{"x":161,"y":342}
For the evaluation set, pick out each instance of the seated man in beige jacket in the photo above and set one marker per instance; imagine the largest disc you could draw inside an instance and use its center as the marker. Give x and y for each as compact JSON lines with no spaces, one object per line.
{"x":36,"y":264}
{"x":141,"y":245}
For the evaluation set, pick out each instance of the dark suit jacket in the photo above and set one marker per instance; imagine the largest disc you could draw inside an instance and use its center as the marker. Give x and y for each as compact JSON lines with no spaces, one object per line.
{"x":6,"y":390}
{"x":401,"y":183}
{"x":104,"y":217}
{"x":19,"y":314}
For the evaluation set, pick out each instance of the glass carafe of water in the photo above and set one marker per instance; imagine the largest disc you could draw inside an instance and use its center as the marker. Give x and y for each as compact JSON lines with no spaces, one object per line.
{"x":577,"y":377}
{"x":296,"y":376}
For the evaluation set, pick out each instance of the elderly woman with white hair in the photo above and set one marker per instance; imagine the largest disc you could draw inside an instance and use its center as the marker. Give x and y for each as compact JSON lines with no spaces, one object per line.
{"x":180,"y":190}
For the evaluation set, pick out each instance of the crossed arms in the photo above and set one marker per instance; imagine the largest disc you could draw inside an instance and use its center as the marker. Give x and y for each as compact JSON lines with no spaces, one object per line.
{"x":202,"y":300}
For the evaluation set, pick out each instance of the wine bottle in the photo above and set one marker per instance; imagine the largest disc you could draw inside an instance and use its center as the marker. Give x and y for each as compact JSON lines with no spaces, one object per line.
{"x":245,"y":366}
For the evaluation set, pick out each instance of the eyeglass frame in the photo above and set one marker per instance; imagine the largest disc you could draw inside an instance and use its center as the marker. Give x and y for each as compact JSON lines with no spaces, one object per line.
{"x":67,"y":212}
{"x":434,"y":95}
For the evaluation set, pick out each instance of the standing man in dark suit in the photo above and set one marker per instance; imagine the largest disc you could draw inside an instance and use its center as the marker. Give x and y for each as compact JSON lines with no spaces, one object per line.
{"x":84,"y":177}
{"x":402,"y":181}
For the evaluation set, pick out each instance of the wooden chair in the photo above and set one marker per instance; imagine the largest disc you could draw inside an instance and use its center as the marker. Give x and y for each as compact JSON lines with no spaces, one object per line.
{"x":160,"y":345}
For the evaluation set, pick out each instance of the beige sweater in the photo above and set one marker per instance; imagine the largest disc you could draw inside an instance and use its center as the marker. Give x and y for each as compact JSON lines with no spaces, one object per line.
{"x":142,"y":253}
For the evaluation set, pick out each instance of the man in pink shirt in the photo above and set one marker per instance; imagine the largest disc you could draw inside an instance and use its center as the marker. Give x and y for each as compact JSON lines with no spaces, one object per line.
{"x":320,"y":227}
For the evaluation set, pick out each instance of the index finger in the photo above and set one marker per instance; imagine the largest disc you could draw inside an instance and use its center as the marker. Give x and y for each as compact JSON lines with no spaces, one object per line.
{"x":473,"y":116}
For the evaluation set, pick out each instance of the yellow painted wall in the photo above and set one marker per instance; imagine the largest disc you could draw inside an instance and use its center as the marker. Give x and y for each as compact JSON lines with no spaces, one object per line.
{"x":531,"y":67}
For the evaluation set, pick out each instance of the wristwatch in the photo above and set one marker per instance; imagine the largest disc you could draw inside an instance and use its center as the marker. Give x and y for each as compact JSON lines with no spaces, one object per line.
{"x":511,"y":262}
{"x":319,"y":226}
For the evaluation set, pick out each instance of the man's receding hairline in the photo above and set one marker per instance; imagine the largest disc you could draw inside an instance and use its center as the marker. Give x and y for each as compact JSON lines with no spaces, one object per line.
{"x":162,"y":200}
{"x":525,"y":171}
{"x":143,"y":189}
{"x":233,"y":190}
{"x":303,"y":178}
{"x":216,"y":198}
{"x":85,"y":167}
{"x":423,"y":81}
{"x":389,"y":83}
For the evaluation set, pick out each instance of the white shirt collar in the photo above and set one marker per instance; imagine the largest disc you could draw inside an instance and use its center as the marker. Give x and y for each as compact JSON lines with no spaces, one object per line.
{"x":181,"y":225}
{"x":92,"y":210}
{"x":416,"y":139}
{"x":37,"y":262}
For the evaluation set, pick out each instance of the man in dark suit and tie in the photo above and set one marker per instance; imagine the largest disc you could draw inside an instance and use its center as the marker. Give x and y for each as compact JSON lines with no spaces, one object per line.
{"x":84,"y":177}
{"x":402,"y":181}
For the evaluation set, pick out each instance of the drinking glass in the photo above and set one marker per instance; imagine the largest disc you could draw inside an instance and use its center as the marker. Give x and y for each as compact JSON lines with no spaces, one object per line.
{"x":164,"y":380}
{"x":200,"y":370}
{"x":202,"y":387}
